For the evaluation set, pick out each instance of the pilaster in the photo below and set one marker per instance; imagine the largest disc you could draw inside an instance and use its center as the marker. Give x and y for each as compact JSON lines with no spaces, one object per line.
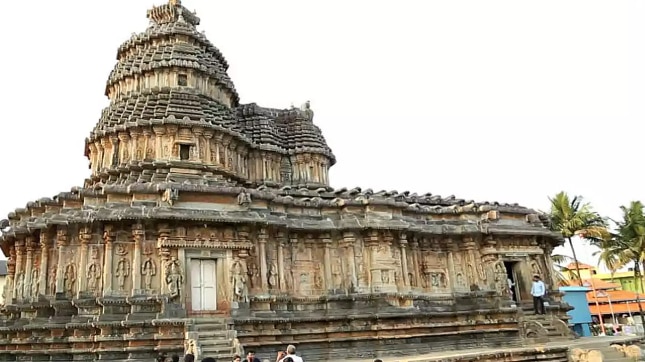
{"x":262,"y":240}
{"x":348,"y":243}
{"x":282,"y":243}
{"x":138,"y":235}
{"x":61,"y":244}
{"x":326,"y":241}
{"x":108,"y":239}
{"x":44,"y":261}
{"x":85,"y":236}
{"x":30,"y":247}
{"x":403,"y":243}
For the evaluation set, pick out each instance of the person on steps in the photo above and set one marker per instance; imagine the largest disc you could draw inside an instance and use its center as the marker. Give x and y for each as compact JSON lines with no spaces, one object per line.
{"x":538,"y":290}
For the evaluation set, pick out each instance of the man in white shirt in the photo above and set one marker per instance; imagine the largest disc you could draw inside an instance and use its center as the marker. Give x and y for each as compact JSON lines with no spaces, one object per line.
{"x":538,"y":290}
{"x":291,"y":354}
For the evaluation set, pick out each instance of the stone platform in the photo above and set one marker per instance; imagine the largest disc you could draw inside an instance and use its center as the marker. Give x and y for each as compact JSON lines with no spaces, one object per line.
{"x":551,"y":351}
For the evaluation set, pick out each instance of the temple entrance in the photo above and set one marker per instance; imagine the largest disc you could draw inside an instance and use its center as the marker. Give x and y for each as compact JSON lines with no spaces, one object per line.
{"x":203,"y":281}
{"x":513,"y":284}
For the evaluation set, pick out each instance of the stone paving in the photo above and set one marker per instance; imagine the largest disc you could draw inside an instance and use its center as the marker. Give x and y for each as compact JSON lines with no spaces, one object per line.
{"x":585,"y":343}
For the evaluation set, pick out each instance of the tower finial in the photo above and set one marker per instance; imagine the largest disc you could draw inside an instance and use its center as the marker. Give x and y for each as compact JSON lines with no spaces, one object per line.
{"x":174,"y":2}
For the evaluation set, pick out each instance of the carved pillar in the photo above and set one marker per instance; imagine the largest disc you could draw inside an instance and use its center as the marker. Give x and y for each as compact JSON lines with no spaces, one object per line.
{"x":164,"y":253}
{"x":403,"y":241}
{"x":146,"y":143}
{"x":85,"y":236}
{"x":44,"y":262}
{"x":371,"y":242}
{"x":208,"y":135}
{"x":105,"y":144}
{"x":329,"y":283}
{"x":159,"y":132}
{"x":415,"y":282}
{"x":135,"y":137}
{"x":198,"y":132}
{"x":349,"y":240}
{"x":11,"y":271}
{"x":282,"y":240}
{"x":262,"y":241}
{"x":29,"y":245}
{"x":138,"y":234}
{"x":61,"y":243}
{"x":108,"y":238}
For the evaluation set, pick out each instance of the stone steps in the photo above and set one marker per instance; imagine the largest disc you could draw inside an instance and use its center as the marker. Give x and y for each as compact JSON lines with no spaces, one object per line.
{"x":214,"y":338}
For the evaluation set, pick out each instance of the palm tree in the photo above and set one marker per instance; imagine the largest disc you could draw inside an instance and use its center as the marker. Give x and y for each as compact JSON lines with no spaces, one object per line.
{"x":572,"y":217}
{"x":627,"y":246}
{"x":559,"y":262}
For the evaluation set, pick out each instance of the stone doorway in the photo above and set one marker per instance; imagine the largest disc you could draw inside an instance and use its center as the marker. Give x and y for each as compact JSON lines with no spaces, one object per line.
{"x":513,"y":284}
{"x":203,"y":282}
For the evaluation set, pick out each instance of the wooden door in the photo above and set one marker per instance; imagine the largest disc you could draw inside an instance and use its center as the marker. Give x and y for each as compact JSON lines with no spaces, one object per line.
{"x":203,"y":280}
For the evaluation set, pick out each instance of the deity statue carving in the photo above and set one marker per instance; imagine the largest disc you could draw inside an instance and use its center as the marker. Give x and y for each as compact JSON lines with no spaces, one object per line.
{"x":20,"y":281}
{"x":122,"y":272}
{"x":148,"y":270}
{"x":52,"y":280}
{"x":69,"y":278}
{"x":535,"y":268}
{"x":174,"y":277}
{"x":273,"y":276}
{"x":93,"y":276}
{"x":252,"y":273}
{"x":318,"y":279}
{"x":501,"y":278}
{"x":244,"y":198}
{"x":35,"y":283}
{"x":459,"y":279}
{"x":238,"y":281}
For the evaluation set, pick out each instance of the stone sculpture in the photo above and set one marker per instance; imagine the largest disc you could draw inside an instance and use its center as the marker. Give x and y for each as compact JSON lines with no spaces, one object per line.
{"x":174,"y":278}
{"x":238,"y":279}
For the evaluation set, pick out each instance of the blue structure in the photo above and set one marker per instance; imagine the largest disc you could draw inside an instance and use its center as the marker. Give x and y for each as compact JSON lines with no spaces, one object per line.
{"x":580,"y":316}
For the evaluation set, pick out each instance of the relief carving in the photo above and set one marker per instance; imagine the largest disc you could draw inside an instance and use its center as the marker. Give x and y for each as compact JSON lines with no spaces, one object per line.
{"x":273,"y":276}
{"x":318,"y":278}
{"x":535,"y":268}
{"x":20,"y":285}
{"x":69,"y":278}
{"x":238,"y":281}
{"x":121,"y":250}
{"x":35,"y":283}
{"x":460,"y":280}
{"x":244,"y":198}
{"x":122,"y":272}
{"x":174,"y":277}
{"x":52,"y":280}
{"x":148,"y":271}
{"x":93,"y":276}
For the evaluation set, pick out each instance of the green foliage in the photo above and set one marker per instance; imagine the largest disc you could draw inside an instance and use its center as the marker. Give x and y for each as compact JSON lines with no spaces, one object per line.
{"x":571,"y":217}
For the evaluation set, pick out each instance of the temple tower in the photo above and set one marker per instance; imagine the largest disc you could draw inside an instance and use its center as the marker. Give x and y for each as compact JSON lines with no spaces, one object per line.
{"x":174,"y":115}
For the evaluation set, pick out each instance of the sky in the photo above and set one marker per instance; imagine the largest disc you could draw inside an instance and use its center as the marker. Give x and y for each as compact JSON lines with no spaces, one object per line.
{"x":509,"y":101}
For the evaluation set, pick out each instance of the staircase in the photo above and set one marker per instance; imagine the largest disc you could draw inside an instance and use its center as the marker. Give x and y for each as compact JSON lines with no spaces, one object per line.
{"x":214,"y":338}
{"x":544,"y":328}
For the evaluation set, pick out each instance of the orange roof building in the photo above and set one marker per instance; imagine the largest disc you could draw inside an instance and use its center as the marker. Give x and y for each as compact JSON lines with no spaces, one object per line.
{"x":582,"y":266}
{"x":614,"y":301}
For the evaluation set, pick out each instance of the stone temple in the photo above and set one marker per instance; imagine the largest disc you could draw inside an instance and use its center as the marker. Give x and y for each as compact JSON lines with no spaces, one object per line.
{"x":210,"y":225}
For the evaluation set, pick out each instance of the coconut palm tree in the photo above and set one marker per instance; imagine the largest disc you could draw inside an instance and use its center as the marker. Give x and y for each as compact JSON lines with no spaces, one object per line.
{"x":559,"y":268}
{"x":571,"y":217}
{"x":627,"y":245}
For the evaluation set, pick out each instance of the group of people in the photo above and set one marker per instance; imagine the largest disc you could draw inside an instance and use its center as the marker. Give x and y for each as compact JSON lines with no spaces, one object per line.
{"x":289,"y":355}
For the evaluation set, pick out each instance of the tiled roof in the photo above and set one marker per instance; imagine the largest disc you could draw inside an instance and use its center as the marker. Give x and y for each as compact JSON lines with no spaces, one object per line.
{"x":582,"y":266}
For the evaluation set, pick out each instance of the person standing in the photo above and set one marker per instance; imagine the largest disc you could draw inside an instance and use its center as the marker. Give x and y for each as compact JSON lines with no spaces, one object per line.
{"x":538,"y":290}
{"x":290,"y":354}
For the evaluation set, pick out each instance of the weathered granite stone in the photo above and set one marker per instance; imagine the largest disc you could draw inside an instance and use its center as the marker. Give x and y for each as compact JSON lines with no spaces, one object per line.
{"x":205,"y":217}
